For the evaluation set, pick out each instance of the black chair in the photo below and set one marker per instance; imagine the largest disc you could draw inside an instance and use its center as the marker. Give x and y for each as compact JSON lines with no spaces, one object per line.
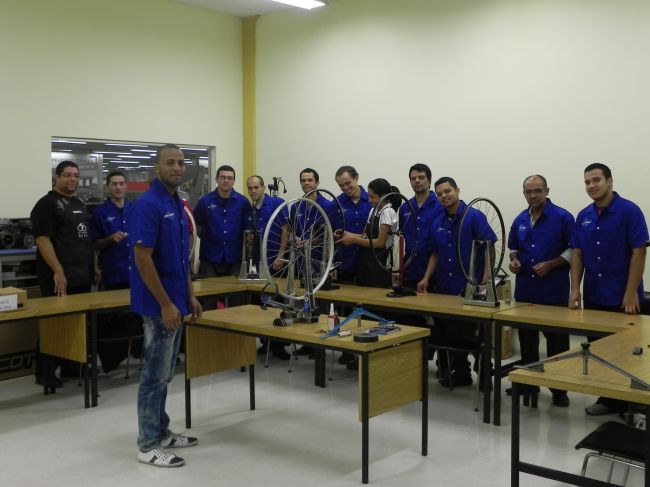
{"x":616,"y":443}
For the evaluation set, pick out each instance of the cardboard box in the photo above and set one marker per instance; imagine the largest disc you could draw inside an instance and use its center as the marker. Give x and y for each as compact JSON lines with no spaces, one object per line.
{"x":22,"y":294}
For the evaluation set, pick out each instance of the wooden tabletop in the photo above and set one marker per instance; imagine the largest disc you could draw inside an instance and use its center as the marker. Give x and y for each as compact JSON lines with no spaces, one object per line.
{"x":50,"y":306}
{"x":600,"y":381}
{"x":580,"y":319}
{"x":254,"y":320}
{"x":423,"y":302}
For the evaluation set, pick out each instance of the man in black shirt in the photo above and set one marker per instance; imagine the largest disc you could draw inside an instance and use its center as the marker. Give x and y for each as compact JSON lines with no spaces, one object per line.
{"x":64,"y":252}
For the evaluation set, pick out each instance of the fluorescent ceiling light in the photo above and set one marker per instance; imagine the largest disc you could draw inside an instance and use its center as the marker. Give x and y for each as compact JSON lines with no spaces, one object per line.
{"x":128,"y":145}
{"x":308,"y":4}
{"x":108,"y":152}
{"x":62,"y":141}
{"x":193,"y":148}
{"x":141,"y":150}
{"x":131,"y":156}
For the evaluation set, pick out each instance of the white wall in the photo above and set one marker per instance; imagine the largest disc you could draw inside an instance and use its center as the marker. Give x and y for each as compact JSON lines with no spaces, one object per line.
{"x":118,"y":69}
{"x":487,"y":92}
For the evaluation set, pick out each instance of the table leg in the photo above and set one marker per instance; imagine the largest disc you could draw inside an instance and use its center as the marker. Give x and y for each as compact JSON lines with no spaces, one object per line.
{"x":365,"y":412}
{"x":487,"y":370}
{"x":93,"y":358}
{"x":498,"y":332}
{"x":514,"y":438}
{"x":86,"y":373}
{"x":425,"y":396}
{"x":251,"y":382}
{"x":188,"y":404}
{"x":647,"y":447}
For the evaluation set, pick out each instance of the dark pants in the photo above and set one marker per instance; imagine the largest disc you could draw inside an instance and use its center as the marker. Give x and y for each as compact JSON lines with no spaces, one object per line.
{"x":457,"y":334}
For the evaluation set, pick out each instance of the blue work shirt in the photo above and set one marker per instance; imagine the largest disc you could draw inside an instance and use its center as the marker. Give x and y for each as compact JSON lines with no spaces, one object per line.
{"x":449,"y":276}
{"x":222,"y":220}
{"x":606,"y":242}
{"x":544,"y":241}
{"x":106,"y":220}
{"x":158,"y":221}
{"x":262,"y":216}
{"x":355,"y":216}
{"x":422,"y":235}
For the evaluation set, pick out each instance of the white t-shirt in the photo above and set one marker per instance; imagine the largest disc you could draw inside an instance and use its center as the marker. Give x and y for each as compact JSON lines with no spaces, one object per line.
{"x":388,"y":216}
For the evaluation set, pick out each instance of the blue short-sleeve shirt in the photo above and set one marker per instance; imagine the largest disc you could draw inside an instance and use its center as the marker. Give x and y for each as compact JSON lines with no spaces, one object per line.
{"x":158,"y":221}
{"x":106,"y":220}
{"x":223,"y":222}
{"x":449,"y":276}
{"x":606,"y":243}
{"x":423,"y":235}
{"x":544,"y":241}
{"x":355,"y":216}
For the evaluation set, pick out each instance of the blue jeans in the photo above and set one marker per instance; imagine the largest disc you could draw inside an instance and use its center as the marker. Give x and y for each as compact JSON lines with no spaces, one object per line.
{"x":160,"y":353}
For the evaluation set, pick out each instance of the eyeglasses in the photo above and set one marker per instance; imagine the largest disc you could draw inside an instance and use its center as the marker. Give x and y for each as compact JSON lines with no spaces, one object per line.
{"x":226,"y":178}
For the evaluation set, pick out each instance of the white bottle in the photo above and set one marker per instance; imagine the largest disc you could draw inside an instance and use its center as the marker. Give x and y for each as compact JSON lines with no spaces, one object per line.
{"x":331,"y":318}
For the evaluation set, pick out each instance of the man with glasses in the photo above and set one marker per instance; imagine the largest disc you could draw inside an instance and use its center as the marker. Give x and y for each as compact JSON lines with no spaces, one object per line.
{"x":540,"y":257}
{"x":64,"y":252}
{"x":220,"y":217}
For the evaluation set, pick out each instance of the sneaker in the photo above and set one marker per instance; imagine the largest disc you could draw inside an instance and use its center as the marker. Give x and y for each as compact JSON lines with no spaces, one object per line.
{"x":160,"y":458}
{"x":598,"y":409}
{"x":178,"y":441}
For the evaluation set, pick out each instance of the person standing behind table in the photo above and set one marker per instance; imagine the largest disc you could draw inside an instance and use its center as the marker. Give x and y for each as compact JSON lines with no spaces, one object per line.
{"x":108,"y":230}
{"x":449,"y":276}
{"x":609,"y":250}
{"x":356,"y":209}
{"x":64,"y":254}
{"x":161,"y":292}
{"x":540,"y":257}
{"x":219,"y":217}
{"x":427,"y":209}
{"x":258,"y":219}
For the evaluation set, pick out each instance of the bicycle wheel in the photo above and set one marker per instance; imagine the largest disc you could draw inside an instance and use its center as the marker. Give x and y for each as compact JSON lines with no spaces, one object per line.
{"x":399,"y":251}
{"x":297,"y":248}
{"x":482,"y":222}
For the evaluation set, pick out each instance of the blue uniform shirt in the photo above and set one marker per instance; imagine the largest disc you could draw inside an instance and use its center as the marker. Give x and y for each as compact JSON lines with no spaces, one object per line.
{"x":223,"y":227}
{"x":606,"y":242}
{"x":356,"y":216}
{"x":158,"y":221}
{"x":449,"y":276}
{"x":546,"y":240}
{"x":106,"y":220}
{"x":426,"y":215}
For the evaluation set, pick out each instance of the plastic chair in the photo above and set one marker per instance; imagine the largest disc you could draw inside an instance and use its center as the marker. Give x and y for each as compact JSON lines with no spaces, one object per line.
{"x":616,"y":443}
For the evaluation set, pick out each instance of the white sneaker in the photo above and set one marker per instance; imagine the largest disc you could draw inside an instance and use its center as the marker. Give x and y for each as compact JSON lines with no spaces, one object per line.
{"x":179,"y":441}
{"x":159,"y":457}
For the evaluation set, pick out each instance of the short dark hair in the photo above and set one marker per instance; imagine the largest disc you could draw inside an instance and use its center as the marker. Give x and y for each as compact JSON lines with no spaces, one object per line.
{"x":313,"y":171}
{"x":347,"y":169}
{"x":421,"y":168}
{"x":258,"y":177}
{"x":607,"y":172}
{"x":162,"y":148}
{"x":62,"y":165}
{"x":112,"y":174}
{"x":446,"y":179}
{"x":536,"y":176}
{"x":226,"y":167}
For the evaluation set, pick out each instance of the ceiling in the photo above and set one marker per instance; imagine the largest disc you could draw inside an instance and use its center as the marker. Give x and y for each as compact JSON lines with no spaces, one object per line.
{"x":239,"y":8}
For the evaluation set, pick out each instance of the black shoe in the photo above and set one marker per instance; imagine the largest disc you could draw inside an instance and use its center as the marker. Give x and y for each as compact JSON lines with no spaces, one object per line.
{"x":354,"y":365}
{"x":281,"y":354}
{"x":346,"y":358}
{"x":457,"y":381}
{"x":57,"y":382}
{"x":262,"y":350}
{"x":509,"y":391}
{"x":560,"y":399}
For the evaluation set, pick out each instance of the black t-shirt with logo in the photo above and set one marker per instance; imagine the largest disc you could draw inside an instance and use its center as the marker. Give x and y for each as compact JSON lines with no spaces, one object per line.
{"x":67,"y":223}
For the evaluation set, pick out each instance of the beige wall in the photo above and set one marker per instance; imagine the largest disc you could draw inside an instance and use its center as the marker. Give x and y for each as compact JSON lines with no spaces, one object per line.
{"x":117,"y":69}
{"x":485,"y":91}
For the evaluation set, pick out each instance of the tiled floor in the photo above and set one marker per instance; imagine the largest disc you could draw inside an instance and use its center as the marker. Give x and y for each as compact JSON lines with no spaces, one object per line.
{"x":299,"y":435}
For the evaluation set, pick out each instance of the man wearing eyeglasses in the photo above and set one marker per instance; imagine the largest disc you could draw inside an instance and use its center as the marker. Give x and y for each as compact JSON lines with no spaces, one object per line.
{"x":540,"y":258}
{"x":220,"y":217}
{"x":64,"y":252}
